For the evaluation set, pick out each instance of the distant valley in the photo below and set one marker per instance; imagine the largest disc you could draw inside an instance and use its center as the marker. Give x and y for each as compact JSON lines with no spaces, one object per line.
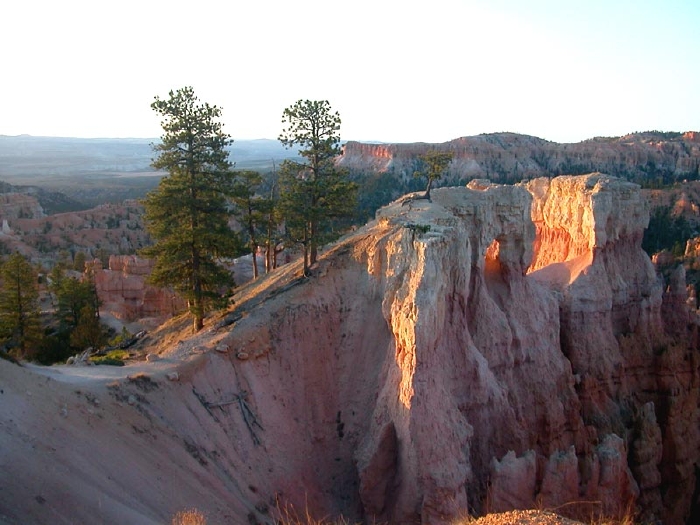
{"x":90,"y":172}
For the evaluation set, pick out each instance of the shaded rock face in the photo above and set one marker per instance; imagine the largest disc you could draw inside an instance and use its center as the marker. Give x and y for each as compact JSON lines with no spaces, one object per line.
{"x":123,"y":291}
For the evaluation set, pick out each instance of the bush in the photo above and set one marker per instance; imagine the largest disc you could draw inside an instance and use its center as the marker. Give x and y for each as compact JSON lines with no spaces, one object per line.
{"x":121,"y":338}
{"x":114,"y":358}
{"x":54,"y":348}
{"x":7,"y":357}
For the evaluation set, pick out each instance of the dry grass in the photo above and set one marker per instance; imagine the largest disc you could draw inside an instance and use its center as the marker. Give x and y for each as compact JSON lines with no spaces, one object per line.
{"x":548,"y":517}
{"x":189,"y":517}
{"x":288,"y":515}
{"x":594,"y":515}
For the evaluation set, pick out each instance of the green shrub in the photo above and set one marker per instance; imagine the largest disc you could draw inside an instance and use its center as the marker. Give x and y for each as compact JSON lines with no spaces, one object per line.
{"x":114,"y":358}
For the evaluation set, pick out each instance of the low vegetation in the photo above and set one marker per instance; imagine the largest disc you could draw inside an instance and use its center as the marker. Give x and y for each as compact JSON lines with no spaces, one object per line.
{"x":667,"y":232}
{"x":114,"y":358}
{"x":289,"y":516}
{"x":189,"y":517}
{"x":70,"y":326}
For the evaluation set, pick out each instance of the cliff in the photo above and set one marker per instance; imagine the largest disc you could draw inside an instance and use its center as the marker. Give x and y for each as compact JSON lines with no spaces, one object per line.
{"x":650,"y":157}
{"x":497,"y":347}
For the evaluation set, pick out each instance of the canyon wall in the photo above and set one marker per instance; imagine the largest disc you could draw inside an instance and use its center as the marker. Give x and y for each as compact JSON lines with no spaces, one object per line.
{"x":495,"y":347}
{"x":513,"y":345}
{"x":650,"y":157}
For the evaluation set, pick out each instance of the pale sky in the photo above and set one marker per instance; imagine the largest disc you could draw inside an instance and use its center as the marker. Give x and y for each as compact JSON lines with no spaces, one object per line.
{"x":396,"y":71}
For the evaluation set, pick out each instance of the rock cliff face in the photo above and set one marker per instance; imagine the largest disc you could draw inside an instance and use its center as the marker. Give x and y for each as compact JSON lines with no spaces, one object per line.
{"x":123,"y":291}
{"x":515,"y":346}
{"x":494,"y":348}
{"x":509,"y":157}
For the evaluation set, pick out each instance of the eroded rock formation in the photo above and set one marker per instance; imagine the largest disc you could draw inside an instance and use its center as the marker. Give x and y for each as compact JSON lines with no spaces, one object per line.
{"x":496,"y":347}
{"x":518,"y":347}
{"x":123,"y":291}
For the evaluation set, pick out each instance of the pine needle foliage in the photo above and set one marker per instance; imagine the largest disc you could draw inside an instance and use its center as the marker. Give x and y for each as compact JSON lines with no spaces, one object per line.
{"x":187,"y":215}
{"x":433,"y":165}
{"x":251,"y":210}
{"x":314,"y":192}
{"x":19,"y":306}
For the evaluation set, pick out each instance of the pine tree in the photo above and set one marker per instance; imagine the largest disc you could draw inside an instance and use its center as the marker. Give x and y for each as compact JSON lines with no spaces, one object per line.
{"x":432,"y":166}
{"x":273,"y":238}
{"x":88,"y":333}
{"x":188,"y":213}
{"x":314,"y":192}
{"x":250,"y":208}
{"x":71,"y":296}
{"x":79,"y":262}
{"x":19,"y":306}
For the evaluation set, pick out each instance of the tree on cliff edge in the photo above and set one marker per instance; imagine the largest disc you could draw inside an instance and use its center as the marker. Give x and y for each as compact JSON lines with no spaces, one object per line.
{"x":314,"y":191}
{"x":432,"y":166}
{"x":188,"y":214}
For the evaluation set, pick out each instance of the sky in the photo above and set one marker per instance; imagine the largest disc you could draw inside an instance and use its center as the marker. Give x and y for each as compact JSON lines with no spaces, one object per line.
{"x":396,"y":71}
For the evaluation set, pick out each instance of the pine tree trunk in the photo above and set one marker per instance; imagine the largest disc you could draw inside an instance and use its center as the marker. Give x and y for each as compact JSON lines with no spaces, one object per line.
{"x":197,"y":322}
{"x":253,"y":240}
{"x":275,"y":253}
{"x":198,"y":310}
{"x":427,"y":190}
{"x":313,"y":245}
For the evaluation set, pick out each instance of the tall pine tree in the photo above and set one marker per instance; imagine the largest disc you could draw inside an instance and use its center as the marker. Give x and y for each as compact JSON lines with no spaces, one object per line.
{"x":188,"y":214}
{"x":250,"y":210}
{"x":314,"y":191}
{"x":19,"y":306}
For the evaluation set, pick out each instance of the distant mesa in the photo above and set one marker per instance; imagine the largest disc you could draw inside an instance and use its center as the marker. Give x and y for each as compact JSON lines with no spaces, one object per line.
{"x":648,"y":158}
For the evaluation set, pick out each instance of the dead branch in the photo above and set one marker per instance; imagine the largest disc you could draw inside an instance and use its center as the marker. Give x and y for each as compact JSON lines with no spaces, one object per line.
{"x":248,"y":416}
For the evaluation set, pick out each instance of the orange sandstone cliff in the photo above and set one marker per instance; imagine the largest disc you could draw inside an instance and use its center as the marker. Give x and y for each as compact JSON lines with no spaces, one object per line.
{"x":497,"y":347}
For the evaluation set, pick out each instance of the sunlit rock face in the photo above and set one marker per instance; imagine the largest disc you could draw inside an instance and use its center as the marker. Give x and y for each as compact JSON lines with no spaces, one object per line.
{"x":511,"y":347}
